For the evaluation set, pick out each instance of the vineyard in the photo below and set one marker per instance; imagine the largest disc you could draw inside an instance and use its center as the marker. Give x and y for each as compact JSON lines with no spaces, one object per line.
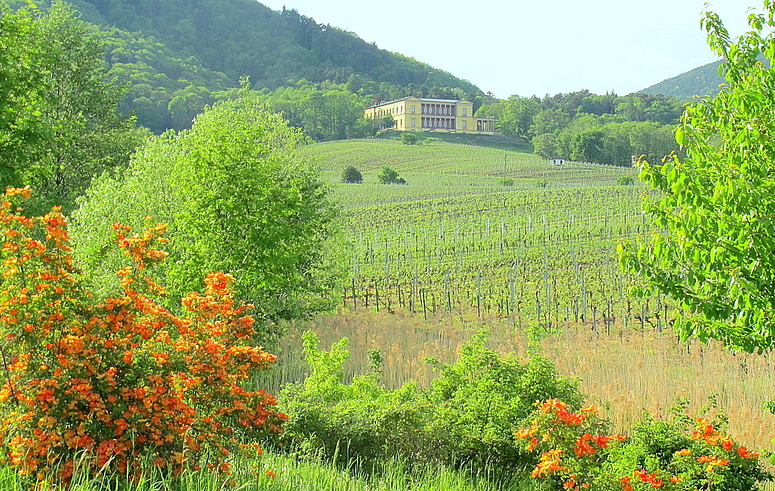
{"x":454,"y":250}
{"x":540,"y":248}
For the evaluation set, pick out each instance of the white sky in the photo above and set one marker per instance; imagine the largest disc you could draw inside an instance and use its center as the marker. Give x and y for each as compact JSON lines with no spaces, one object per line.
{"x":538,"y":47}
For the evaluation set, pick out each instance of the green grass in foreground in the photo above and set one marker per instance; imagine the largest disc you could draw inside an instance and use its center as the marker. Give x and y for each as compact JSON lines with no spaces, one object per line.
{"x":298,"y":475}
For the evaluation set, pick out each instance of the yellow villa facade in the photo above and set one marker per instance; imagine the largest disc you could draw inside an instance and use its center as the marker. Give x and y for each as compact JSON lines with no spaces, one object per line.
{"x":447,"y":115}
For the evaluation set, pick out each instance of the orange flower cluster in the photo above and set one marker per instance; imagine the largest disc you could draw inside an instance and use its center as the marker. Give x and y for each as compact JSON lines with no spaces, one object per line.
{"x":122,"y":379}
{"x":648,"y":478}
{"x":712,"y":461}
{"x":585,"y":445}
{"x":550,"y":462}
{"x":709,"y":434}
{"x":556,"y":427}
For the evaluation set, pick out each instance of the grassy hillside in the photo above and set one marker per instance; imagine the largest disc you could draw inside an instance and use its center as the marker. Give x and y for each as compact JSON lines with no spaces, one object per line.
{"x":440,"y":168}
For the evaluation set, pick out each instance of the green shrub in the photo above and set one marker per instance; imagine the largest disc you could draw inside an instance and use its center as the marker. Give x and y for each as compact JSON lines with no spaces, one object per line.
{"x":351,"y":175}
{"x":361,"y":419}
{"x":680,"y":455}
{"x":409,"y":138}
{"x":695,"y":449}
{"x":480,"y":400}
{"x":390,"y":176}
{"x":625,"y":181}
{"x":467,"y":416}
{"x":505,"y":181}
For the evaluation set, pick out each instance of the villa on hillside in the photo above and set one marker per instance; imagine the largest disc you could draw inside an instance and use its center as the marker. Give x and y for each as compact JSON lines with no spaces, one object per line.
{"x":447,"y":115}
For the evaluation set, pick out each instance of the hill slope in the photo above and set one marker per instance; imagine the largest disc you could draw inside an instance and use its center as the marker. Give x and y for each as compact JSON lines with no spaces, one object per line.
{"x":443,"y":169}
{"x":244,"y":37}
{"x":701,"y":81}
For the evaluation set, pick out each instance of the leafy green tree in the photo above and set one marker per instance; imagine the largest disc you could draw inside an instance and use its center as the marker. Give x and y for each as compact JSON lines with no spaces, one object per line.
{"x":390,"y":176}
{"x":545,"y":145}
{"x":71,"y":110}
{"x":20,"y":91}
{"x":237,"y":199}
{"x":587,"y":146}
{"x":715,"y":249}
{"x":517,"y":115}
{"x":549,"y":121}
{"x":409,"y":138}
{"x":352,"y":175}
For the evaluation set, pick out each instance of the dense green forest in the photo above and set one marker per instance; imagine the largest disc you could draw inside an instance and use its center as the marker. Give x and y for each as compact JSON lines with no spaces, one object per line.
{"x":175,"y":58}
{"x":701,"y":81}
{"x":608,"y":129}
{"x":179,"y":56}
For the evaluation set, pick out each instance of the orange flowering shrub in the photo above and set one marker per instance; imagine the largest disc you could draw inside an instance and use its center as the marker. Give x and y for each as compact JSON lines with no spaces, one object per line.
{"x":574,"y":454}
{"x":572,"y":443}
{"x":120,"y":381}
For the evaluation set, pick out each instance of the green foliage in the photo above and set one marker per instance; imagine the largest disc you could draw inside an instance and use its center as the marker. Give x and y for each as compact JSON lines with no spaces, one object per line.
{"x":164,"y":90}
{"x":409,"y":138}
{"x":677,"y":448}
{"x":701,"y":81}
{"x":245,"y":38}
{"x":685,"y":454}
{"x":236,"y":198}
{"x":324,"y":111}
{"x":389,"y":176}
{"x":20,"y":91}
{"x":517,"y":115}
{"x":467,"y":417}
{"x":60,"y":126}
{"x":506,"y":181}
{"x":120,"y":385}
{"x":359,"y":420}
{"x":716,"y":255}
{"x":480,"y":399}
{"x":626,"y":181}
{"x":352,"y":175}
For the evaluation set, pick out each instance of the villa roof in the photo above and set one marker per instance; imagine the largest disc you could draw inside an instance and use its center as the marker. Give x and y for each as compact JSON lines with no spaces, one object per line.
{"x":421,"y":99}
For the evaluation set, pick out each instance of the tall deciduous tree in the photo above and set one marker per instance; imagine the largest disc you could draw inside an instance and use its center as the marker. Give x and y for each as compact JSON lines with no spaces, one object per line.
{"x":66,"y":128}
{"x":714,"y":251}
{"x":20,"y":91}
{"x":236,"y":198}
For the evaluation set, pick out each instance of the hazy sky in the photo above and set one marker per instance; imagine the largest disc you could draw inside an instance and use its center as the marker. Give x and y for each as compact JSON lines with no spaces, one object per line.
{"x":529,"y":47}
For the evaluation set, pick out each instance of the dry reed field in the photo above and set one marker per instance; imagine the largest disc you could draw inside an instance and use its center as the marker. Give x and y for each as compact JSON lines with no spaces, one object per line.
{"x":629,"y":371}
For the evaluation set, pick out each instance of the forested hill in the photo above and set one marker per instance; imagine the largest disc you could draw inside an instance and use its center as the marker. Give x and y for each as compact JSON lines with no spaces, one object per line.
{"x":700,"y":81}
{"x":244,"y":37}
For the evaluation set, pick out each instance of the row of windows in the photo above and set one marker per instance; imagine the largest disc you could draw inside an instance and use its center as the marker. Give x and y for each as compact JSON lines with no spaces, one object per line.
{"x":441,"y":123}
{"x":432,"y":109}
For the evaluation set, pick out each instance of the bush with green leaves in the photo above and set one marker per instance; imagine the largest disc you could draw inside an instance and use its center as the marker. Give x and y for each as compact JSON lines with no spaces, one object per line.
{"x":351,"y":175}
{"x":361,"y":419}
{"x":236,"y":198}
{"x":409,"y":138}
{"x":480,"y":399}
{"x":684,"y":454}
{"x":696,"y":449}
{"x":468,"y":416}
{"x":390,"y":176}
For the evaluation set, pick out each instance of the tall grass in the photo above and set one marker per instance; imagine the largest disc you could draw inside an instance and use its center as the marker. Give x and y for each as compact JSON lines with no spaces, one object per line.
{"x":630,"y":370}
{"x":289,"y":473}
